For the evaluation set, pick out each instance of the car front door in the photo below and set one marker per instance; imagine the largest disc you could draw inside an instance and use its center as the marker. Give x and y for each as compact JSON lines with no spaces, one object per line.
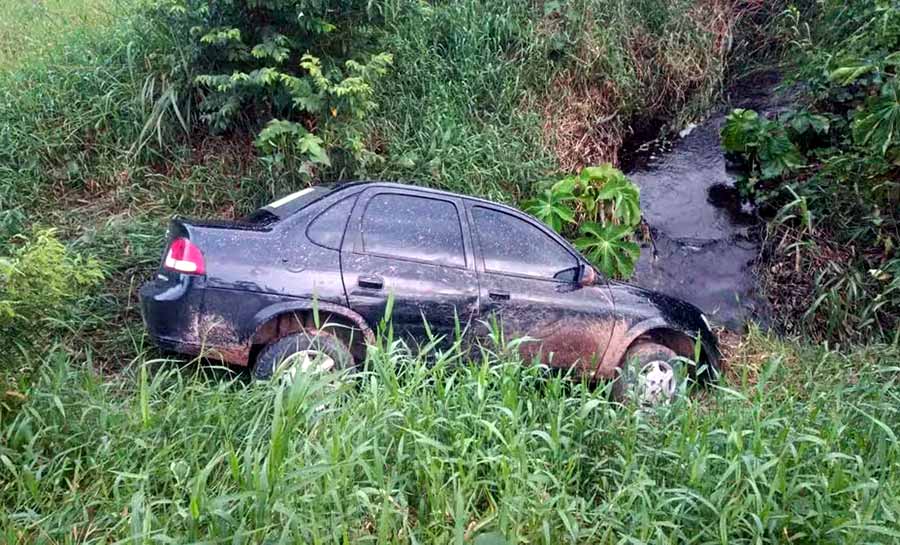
{"x":529,"y":289}
{"x":413,"y":247}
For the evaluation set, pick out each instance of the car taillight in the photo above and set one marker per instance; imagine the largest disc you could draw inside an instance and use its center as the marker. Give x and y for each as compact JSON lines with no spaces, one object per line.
{"x":185,"y":257}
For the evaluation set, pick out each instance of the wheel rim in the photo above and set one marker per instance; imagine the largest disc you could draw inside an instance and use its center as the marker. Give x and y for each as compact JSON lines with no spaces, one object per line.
{"x":308,"y":362}
{"x":656,"y":383}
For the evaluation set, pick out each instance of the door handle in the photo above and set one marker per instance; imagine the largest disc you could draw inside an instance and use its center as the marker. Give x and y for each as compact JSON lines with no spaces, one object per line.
{"x":371,"y":282}
{"x":499,"y":295}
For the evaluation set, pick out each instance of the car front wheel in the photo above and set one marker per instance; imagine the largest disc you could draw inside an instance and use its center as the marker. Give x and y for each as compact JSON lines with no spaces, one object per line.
{"x":304,"y":352}
{"x":647,"y":375}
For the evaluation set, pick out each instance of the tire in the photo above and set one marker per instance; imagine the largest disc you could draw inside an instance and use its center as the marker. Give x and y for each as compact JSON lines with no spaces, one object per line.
{"x":325,"y":350}
{"x":646,"y":375}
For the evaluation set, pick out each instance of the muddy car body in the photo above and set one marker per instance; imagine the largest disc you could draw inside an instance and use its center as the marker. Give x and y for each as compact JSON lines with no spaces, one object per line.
{"x":331,"y":258}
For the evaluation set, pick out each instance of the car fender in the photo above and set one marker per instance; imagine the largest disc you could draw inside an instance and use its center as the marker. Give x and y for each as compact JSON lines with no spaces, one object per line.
{"x":266,"y":314}
{"x":620,"y":346}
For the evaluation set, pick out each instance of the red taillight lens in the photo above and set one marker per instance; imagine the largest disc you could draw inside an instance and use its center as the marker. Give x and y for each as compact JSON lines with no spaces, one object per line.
{"x":185,"y":257}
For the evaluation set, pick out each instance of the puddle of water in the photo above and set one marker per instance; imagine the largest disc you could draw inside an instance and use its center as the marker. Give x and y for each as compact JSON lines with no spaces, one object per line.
{"x":705,"y":242}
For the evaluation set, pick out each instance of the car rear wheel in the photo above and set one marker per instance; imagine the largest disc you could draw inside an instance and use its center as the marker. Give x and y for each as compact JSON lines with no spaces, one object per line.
{"x":304,"y":352}
{"x":647,"y":375}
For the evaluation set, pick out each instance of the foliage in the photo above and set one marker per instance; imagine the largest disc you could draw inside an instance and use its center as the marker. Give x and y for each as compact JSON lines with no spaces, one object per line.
{"x":301,"y":63}
{"x":765,"y":146}
{"x":604,"y":206}
{"x":285,"y":144}
{"x":611,"y":247}
{"x":551,"y":206}
{"x":29,"y":30}
{"x":39,"y":279}
{"x":441,"y":449}
{"x":877,"y":124}
{"x":838,"y":156}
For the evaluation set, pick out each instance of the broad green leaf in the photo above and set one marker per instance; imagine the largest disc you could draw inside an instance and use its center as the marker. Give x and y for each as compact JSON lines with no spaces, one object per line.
{"x":851,"y":70}
{"x":878,"y":124}
{"x":626,"y":200}
{"x":610,"y":248}
{"x":778,"y":155}
{"x":550,"y":207}
{"x":741,"y":130}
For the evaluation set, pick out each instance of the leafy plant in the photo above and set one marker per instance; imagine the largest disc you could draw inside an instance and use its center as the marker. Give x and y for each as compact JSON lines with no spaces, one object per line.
{"x":763,"y":144}
{"x":38,"y":280}
{"x":305,"y":63}
{"x":611,"y":247}
{"x":551,"y":206}
{"x":877,"y":125}
{"x":285,"y":144}
{"x":602,"y":206}
{"x":843,"y":209}
{"x":805,"y":123}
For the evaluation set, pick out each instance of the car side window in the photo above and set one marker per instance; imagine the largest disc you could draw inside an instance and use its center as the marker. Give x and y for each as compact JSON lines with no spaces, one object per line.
{"x":417,"y":228}
{"x":510,"y":245}
{"x":327,"y":229}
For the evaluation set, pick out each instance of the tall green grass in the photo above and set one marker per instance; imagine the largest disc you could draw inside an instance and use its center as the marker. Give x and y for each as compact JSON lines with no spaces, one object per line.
{"x":30,"y":29}
{"x":442,"y":450}
{"x":466,"y":105}
{"x":463,"y":107}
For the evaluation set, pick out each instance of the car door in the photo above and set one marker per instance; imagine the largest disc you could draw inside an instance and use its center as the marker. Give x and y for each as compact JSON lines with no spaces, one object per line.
{"x":529,"y":289}
{"x":416,"y":248}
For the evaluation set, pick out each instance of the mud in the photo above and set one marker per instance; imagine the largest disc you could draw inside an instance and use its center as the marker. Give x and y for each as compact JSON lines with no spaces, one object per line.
{"x":705,"y":242}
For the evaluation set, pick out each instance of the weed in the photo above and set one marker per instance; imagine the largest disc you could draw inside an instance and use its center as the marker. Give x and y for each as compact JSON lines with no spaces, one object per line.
{"x":411,"y":451}
{"x":834,"y":161}
{"x":604,"y":206}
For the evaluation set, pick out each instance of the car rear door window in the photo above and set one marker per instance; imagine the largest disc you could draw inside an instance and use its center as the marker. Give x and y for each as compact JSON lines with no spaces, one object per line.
{"x":510,"y":245}
{"x":327,"y":229}
{"x":417,"y":228}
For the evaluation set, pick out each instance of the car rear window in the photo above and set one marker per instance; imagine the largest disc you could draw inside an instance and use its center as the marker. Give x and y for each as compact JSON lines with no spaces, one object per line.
{"x":416,"y":228}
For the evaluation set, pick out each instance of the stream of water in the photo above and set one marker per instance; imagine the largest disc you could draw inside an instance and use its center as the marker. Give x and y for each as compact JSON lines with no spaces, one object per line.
{"x":705,"y":242}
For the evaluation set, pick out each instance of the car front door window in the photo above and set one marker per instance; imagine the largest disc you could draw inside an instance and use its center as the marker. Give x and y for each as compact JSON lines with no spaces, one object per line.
{"x":510,"y":245}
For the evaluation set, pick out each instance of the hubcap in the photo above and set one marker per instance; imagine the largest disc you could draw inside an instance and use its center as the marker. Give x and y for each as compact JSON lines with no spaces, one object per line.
{"x":306,"y":361}
{"x":656,"y":383}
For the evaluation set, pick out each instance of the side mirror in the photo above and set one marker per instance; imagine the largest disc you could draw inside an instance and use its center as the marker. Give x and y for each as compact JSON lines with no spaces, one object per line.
{"x":587,"y":276}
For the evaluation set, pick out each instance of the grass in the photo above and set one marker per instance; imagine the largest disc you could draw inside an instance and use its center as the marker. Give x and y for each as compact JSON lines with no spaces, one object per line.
{"x":29,"y":29}
{"x":464,"y":109}
{"x":488,"y":97}
{"x":490,"y":451}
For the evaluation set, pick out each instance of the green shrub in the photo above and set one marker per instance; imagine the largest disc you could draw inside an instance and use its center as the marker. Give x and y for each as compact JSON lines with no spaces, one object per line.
{"x":603,"y":206}
{"x":305,"y":69}
{"x":835,"y":159}
{"x":39,"y":280}
{"x":765,"y":146}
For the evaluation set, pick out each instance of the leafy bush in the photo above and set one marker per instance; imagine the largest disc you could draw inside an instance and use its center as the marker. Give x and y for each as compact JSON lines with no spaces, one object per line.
{"x":604,"y":206}
{"x":764,"y":145}
{"x":38,"y":281}
{"x":838,"y":157}
{"x":302,"y":68}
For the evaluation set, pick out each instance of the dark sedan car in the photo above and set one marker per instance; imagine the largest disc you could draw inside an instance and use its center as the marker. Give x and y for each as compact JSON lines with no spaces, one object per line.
{"x":307,"y":278}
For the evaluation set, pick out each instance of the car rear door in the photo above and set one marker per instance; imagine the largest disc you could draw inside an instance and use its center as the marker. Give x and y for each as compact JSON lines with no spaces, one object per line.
{"x":415,"y":247}
{"x":528,"y":281}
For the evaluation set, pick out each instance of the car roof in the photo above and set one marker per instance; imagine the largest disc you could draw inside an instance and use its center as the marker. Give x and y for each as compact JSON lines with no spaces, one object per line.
{"x":423,"y":189}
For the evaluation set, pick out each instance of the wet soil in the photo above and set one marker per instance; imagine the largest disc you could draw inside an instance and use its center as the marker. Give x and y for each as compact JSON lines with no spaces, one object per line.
{"x":705,"y":240}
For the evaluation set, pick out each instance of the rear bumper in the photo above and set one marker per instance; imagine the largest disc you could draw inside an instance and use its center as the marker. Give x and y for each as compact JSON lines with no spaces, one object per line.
{"x":171,"y":310}
{"x":177,"y":320}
